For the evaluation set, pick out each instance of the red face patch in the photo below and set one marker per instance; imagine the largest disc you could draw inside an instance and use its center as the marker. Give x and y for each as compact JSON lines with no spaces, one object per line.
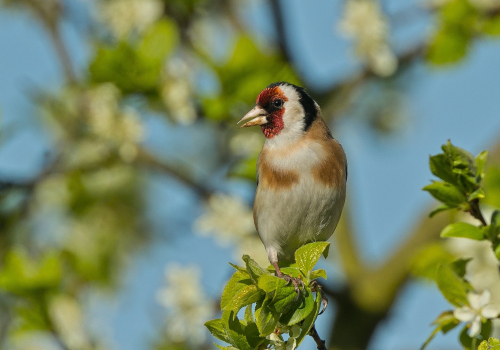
{"x":275,"y":119}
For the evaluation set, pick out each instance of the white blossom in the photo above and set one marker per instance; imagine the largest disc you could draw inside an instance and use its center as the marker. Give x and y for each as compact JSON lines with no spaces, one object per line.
{"x":479,"y":307}
{"x":177,"y":92}
{"x":277,"y":342}
{"x":126,"y":16}
{"x":68,"y":320}
{"x":187,"y":304}
{"x":227,"y":218}
{"x":108,"y":120}
{"x":364,"y":22}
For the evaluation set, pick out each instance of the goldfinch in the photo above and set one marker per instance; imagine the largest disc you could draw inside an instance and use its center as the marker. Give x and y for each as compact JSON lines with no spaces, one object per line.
{"x":301,"y":173}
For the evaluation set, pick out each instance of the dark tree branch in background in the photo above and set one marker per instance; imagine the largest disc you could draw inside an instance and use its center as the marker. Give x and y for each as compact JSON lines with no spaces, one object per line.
{"x":279,"y":25}
{"x":145,"y":159}
{"x":49,"y":14}
{"x":319,"y":343}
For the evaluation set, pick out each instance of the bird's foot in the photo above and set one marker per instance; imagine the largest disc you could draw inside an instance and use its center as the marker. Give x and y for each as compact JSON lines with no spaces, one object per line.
{"x":297,"y":282}
{"x":316,"y":287}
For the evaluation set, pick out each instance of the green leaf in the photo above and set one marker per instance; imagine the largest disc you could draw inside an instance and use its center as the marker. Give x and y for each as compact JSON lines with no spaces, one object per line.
{"x":480,"y":162}
{"x":320,"y":273}
{"x":440,"y":166}
{"x":427,"y":261}
{"x":463,"y":230}
{"x":22,"y":274}
{"x":283,"y":298}
{"x":238,"y":281}
{"x":216,"y":327}
{"x":292,"y":271}
{"x":308,"y":255}
{"x":299,"y":311}
{"x":222,"y":347}
{"x":249,"y":314}
{"x":239,"y":268}
{"x":444,"y":323}
{"x":247,"y":295}
{"x":266,"y":319}
{"x":446,"y":193}
{"x":491,"y":25}
{"x":253,"y":269}
{"x":483,"y":346}
{"x":270,"y":283}
{"x":448,"y":46}
{"x":235,"y":331}
{"x":459,"y":266}
{"x":159,"y":40}
{"x":477,"y":194}
{"x":439,"y":209}
{"x":451,"y":286}
{"x":493,"y":341}
{"x":309,"y":320}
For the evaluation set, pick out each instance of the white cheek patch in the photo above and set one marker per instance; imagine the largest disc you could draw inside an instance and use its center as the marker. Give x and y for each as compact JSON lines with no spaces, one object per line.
{"x":293,"y":119}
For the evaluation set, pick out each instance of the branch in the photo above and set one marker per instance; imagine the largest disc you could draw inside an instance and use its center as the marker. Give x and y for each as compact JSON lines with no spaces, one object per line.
{"x":279,"y":24}
{"x":49,"y":15}
{"x":145,"y":159}
{"x":319,"y":343}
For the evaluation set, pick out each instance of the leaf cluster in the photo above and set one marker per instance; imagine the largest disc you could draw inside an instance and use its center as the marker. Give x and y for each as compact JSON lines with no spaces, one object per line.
{"x":272,"y":305}
{"x":460,"y":188}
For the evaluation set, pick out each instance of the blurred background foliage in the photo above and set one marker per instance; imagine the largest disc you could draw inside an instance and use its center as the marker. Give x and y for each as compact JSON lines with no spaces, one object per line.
{"x":68,"y":230}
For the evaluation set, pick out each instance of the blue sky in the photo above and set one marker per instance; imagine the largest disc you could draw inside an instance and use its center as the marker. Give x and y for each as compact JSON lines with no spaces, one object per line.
{"x":386,"y":175}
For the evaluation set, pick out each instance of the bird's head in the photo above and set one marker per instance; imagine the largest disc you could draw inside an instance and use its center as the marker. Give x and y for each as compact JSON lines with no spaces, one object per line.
{"x":282,"y":109}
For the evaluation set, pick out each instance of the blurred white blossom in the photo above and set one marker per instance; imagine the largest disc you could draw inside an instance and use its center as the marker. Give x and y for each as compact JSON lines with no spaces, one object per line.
{"x":252,"y":246}
{"x":67,"y":317}
{"x":126,"y":16}
{"x":277,"y":342}
{"x":246,"y":144}
{"x":121,"y":126}
{"x":227,"y":218}
{"x":479,"y":308}
{"x":188,"y":306}
{"x":364,"y":22}
{"x":177,"y":92}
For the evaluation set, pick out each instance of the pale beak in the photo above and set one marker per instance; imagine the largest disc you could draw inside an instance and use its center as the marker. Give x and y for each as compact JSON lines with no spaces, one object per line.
{"x":257,"y":116}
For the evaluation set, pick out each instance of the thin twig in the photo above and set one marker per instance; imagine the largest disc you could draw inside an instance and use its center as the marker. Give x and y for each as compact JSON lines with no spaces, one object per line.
{"x":319,"y":342}
{"x":145,"y":159}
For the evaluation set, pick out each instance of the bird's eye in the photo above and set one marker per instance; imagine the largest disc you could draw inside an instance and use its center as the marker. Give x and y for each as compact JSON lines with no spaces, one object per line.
{"x":278,"y":103}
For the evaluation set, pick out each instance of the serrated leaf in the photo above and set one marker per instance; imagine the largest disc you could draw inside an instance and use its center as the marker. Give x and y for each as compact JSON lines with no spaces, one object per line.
{"x":238,"y":281}
{"x":299,"y":311}
{"x":269,"y":283}
{"x":216,"y":328}
{"x":283,"y":298}
{"x":235,"y":331}
{"x":451,"y":286}
{"x":309,"y":320}
{"x":308,"y":255}
{"x":320,"y":273}
{"x":266,"y":319}
{"x":221,"y":347}
{"x":463,"y":230}
{"x":247,"y":295}
{"x":446,"y":193}
{"x":249,"y":314}
{"x":239,"y":268}
{"x":292,"y":271}
{"x":253,"y":269}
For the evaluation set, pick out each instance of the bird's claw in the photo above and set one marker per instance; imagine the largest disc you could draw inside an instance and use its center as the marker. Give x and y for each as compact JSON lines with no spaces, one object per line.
{"x":297,"y":282}
{"x":316,"y":287}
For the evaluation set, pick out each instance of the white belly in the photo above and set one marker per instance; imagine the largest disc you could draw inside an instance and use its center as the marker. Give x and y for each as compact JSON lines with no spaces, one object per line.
{"x":290,"y":218}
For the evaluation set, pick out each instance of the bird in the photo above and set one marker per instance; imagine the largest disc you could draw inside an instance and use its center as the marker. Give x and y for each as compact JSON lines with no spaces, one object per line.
{"x":301,"y":174}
